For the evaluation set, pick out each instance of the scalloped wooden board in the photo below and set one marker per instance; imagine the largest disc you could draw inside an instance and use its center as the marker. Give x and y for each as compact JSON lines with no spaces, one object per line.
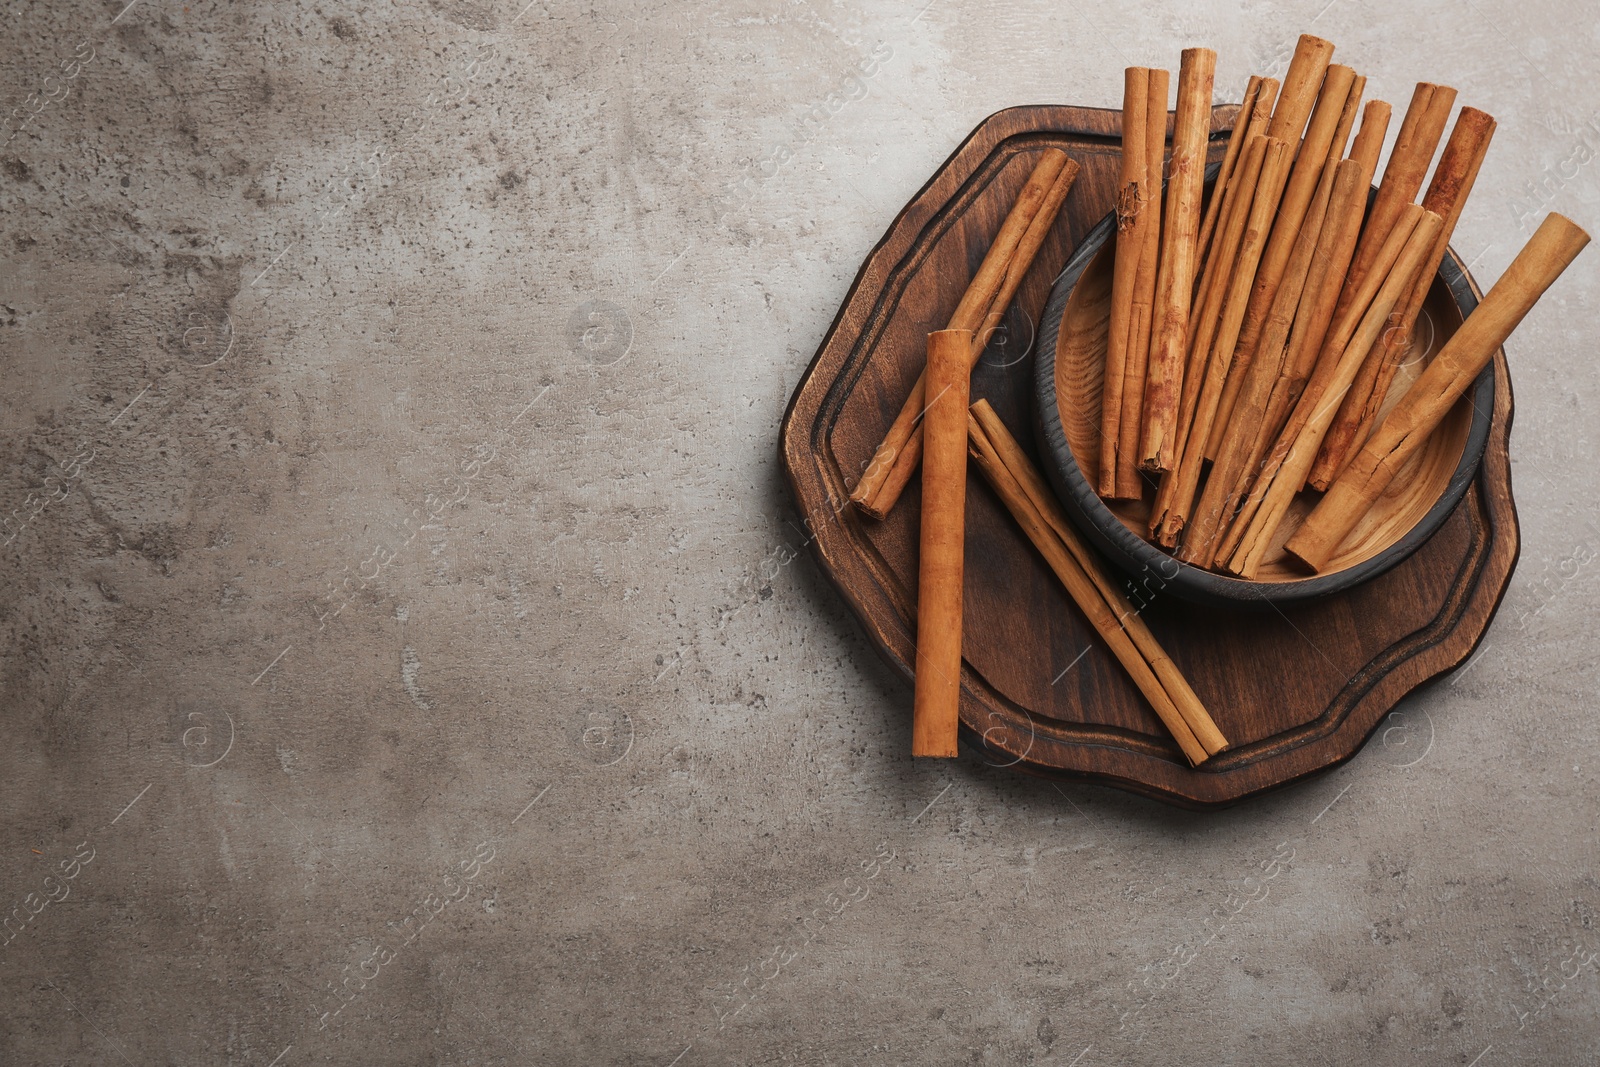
{"x":1297,"y":691}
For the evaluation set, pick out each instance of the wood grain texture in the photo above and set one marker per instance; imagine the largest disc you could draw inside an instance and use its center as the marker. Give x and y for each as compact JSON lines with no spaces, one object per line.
{"x":1297,"y":689}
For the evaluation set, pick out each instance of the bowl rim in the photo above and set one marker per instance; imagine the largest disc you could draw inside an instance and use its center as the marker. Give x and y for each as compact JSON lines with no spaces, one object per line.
{"x":1136,"y":555}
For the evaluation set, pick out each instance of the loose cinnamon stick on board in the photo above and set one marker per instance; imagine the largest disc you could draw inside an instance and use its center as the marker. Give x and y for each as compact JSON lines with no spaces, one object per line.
{"x":1082,"y":591}
{"x":1417,"y":227}
{"x":1453,"y":178}
{"x":1130,"y":484}
{"x":1176,"y":495}
{"x":1175,"y":280}
{"x":1553,"y":246}
{"x":974,"y":304}
{"x":1293,"y":204}
{"x":1402,"y":178}
{"x":1132,"y":222}
{"x":905,"y":464}
{"x":996,"y":282}
{"x":1033,"y":485}
{"x":1287,"y":300}
{"x":1230,"y":159}
{"x":1308,"y":339}
{"x":936,"y":707}
{"x":1025,"y":495}
{"x":1017,"y":269}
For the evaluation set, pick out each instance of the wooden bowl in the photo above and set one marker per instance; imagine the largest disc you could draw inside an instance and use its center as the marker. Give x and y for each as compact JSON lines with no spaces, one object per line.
{"x":1069,"y":371}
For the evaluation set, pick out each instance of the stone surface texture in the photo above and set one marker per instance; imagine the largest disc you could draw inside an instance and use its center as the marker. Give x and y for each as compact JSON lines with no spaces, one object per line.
{"x":404,"y":654}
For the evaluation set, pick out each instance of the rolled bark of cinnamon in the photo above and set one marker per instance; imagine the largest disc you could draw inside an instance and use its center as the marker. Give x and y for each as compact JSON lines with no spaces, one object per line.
{"x":1230,"y":185}
{"x":1002,"y":271}
{"x":1414,"y":233}
{"x":1287,"y":303}
{"x":1281,"y":112}
{"x":1282,"y":472}
{"x":1132,"y":223}
{"x":1176,"y":496}
{"x":1334,"y":259}
{"x":1419,"y":136}
{"x":1276,"y":159}
{"x":1308,"y":346}
{"x":1553,"y":246}
{"x":1130,"y":484}
{"x":1205,"y":321}
{"x":1293,"y":203}
{"x":1252,"y":418}
{"x":936,"y":708}
{"x":1447,"y":194}
{"x":1309,"y":80}
{"x":1025,"y":495}
{"x":1301,"y":83}
{"x":1017,"y":269}
{"x":1251,"y":411}
{"x":1230,"y":159}
{"x":1175,"y":280}
{"x":1242,"y":469}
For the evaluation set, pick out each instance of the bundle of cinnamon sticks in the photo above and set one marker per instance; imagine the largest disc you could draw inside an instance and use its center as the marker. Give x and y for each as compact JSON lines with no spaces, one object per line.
{"x":1021,"y":488}
{"x":937,"y":430}
{"x":954,"y":431}
{"x":1253,"y":345}
{"x":1254,"y":338}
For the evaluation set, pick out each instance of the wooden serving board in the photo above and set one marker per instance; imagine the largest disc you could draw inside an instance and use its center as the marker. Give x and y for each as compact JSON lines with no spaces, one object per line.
{"x":1297,"y":690}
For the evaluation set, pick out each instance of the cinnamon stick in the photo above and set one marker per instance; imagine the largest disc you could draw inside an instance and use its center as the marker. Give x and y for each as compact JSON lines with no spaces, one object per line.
{"x":1305,"y":346}
{"x":1213,"y":270}
{"x":1319,"y":397}
{"x":1253,"y":419}
{"x":1402,"y":178}
{"x":1301,"y":84}
{"x":1294,"y":202}
{"x":1249,"y":477}
{"x":1176,"y":495}
{"x":1553,"y":246}
{"x":1204,"y":323}
{"x":1022,"y":490}
{"x":1132,"y":223}
{"x":1287,"y":300}
{"x":1175,"y":280}
{"x":1130,"y":485}
{"x":1016,"y":270}
{"x":1230,"y":159}
{"x":990,"y":291}
{"x":1414,"y":233}
{"x":1309,"y":79}
{"x":1453,"y":178}
{"x":1254,"y":114}
{"x":936,"y":708}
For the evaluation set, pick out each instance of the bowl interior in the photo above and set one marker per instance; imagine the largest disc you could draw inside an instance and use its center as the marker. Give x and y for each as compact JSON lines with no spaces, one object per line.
{"x":1417,"y":491}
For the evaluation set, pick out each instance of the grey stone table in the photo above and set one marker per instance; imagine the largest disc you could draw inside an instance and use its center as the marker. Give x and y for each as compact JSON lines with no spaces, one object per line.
{"x":406,"y":656}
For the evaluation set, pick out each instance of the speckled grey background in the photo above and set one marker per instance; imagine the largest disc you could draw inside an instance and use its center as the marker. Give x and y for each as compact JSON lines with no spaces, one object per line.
{"x":399,"y":660}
